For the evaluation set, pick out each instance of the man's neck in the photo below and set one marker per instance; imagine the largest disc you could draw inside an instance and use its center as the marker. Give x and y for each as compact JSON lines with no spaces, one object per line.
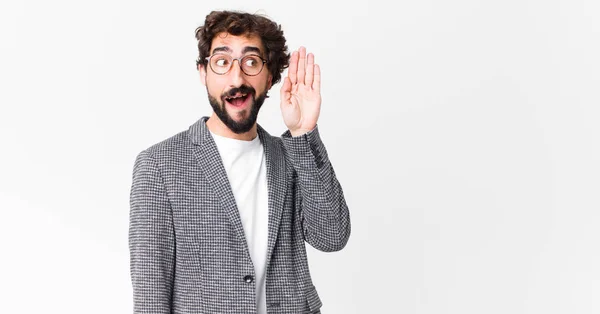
{"x":215,"y":125}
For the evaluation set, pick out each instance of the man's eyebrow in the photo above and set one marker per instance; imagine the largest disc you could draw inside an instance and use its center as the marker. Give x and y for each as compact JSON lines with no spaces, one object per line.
{"x":222,"y":48}
{"x":251,"y":49}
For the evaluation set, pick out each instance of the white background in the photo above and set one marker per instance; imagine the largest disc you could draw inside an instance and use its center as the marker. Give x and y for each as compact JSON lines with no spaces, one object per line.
{"x":465,"y":134}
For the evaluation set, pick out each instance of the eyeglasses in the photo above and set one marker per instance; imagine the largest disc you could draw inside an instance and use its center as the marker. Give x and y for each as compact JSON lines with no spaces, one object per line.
{"x":221,"y":63}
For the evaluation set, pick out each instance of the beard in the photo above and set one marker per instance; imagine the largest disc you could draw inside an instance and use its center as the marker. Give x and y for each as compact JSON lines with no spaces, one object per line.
{"x":249,"y":120}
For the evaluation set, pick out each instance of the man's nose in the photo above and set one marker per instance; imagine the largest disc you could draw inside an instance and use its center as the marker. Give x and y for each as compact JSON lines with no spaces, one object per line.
{"x":236,"y":73}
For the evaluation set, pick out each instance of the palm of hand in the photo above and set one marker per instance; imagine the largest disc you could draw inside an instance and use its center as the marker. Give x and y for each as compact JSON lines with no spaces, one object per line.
{"x":300,"y":93}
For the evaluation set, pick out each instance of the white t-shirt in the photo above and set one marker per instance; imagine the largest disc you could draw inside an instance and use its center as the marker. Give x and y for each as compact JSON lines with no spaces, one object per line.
{"x":244,"y":163}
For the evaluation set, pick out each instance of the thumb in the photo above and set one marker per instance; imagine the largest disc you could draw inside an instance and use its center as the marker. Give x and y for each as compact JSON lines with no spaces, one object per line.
{"x":286,"y":89}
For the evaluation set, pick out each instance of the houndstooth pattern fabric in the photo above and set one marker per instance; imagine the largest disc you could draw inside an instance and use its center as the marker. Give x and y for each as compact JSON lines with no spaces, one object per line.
{"x":188,"y":252}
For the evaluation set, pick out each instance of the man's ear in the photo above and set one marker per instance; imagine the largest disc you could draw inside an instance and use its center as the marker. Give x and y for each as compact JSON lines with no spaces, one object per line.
{"x":270,"y":82}
{"x":202,"y":70}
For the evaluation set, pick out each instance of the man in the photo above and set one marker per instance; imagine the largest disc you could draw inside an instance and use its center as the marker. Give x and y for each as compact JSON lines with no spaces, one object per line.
{"x":220,"y":212}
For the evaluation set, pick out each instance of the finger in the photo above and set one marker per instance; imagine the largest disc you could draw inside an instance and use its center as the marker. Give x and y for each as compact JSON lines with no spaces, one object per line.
{"x":284,"y":94}
{"x":293,"y":68}
{"x":310,"y":64}
{"x":301,"y":65}
{"x":316,"y":85}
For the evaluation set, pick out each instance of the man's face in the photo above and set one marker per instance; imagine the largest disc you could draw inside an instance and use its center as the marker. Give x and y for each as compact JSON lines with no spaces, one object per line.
{"x":235,"y":96}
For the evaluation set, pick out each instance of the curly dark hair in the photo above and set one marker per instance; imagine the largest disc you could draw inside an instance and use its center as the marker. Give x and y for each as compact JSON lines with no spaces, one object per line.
{"x":241,"y":23}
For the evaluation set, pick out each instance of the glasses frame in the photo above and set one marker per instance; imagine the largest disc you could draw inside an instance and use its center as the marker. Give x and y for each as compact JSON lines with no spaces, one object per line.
{"x":239,"y":60}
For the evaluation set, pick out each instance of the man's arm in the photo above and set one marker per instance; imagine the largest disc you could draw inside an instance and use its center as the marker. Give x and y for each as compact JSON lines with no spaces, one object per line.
{"x":323,"y":210}
{"x":151,"y":239}
{"x":324,"y":214}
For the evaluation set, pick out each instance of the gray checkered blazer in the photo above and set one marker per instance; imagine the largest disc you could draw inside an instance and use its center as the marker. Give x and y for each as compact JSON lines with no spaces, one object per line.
{"x":188,"y":251}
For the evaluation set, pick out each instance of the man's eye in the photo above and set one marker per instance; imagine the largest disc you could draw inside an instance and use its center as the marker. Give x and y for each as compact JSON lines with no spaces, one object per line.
{"x":251,"y":62}
{"x":221,"y":62}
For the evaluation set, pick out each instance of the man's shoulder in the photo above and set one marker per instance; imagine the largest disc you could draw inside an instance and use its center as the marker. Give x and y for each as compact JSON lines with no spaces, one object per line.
{"x":172,"y":147}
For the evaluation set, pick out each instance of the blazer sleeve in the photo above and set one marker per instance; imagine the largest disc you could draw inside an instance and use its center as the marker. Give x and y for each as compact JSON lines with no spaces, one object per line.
{"x":151,"y":239}
{"x":323,"y":210}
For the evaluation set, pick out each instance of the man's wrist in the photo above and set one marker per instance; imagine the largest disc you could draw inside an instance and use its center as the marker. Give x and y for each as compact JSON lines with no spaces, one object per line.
{"x":299,"y":132}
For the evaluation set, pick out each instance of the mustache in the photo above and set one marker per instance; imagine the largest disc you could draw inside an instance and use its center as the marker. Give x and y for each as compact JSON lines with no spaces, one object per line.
{"x":243,"y":89}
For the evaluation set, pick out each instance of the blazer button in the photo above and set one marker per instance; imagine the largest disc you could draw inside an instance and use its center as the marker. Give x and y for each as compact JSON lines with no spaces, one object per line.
{"x":248,"y":279}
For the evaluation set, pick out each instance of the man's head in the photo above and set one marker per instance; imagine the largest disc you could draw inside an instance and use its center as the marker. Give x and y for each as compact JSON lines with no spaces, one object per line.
{"x":240,"y":57}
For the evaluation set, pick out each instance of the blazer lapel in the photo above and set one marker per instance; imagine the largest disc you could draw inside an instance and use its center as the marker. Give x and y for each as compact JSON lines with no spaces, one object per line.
{"x":207,"y":155}
{"x":276,"y":183}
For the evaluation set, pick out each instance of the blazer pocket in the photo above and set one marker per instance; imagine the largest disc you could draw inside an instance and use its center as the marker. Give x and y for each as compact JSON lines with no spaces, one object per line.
{"x":313,"y":300}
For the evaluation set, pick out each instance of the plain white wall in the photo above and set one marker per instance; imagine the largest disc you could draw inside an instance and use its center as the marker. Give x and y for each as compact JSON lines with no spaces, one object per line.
{"x":465,"y":134}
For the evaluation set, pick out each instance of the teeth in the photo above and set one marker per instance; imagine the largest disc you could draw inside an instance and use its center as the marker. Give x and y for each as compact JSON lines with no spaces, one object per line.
{"x":229,"y":98}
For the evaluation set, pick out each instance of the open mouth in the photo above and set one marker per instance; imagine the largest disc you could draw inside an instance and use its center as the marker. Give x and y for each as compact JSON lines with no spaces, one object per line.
{"x":238,"y":100}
